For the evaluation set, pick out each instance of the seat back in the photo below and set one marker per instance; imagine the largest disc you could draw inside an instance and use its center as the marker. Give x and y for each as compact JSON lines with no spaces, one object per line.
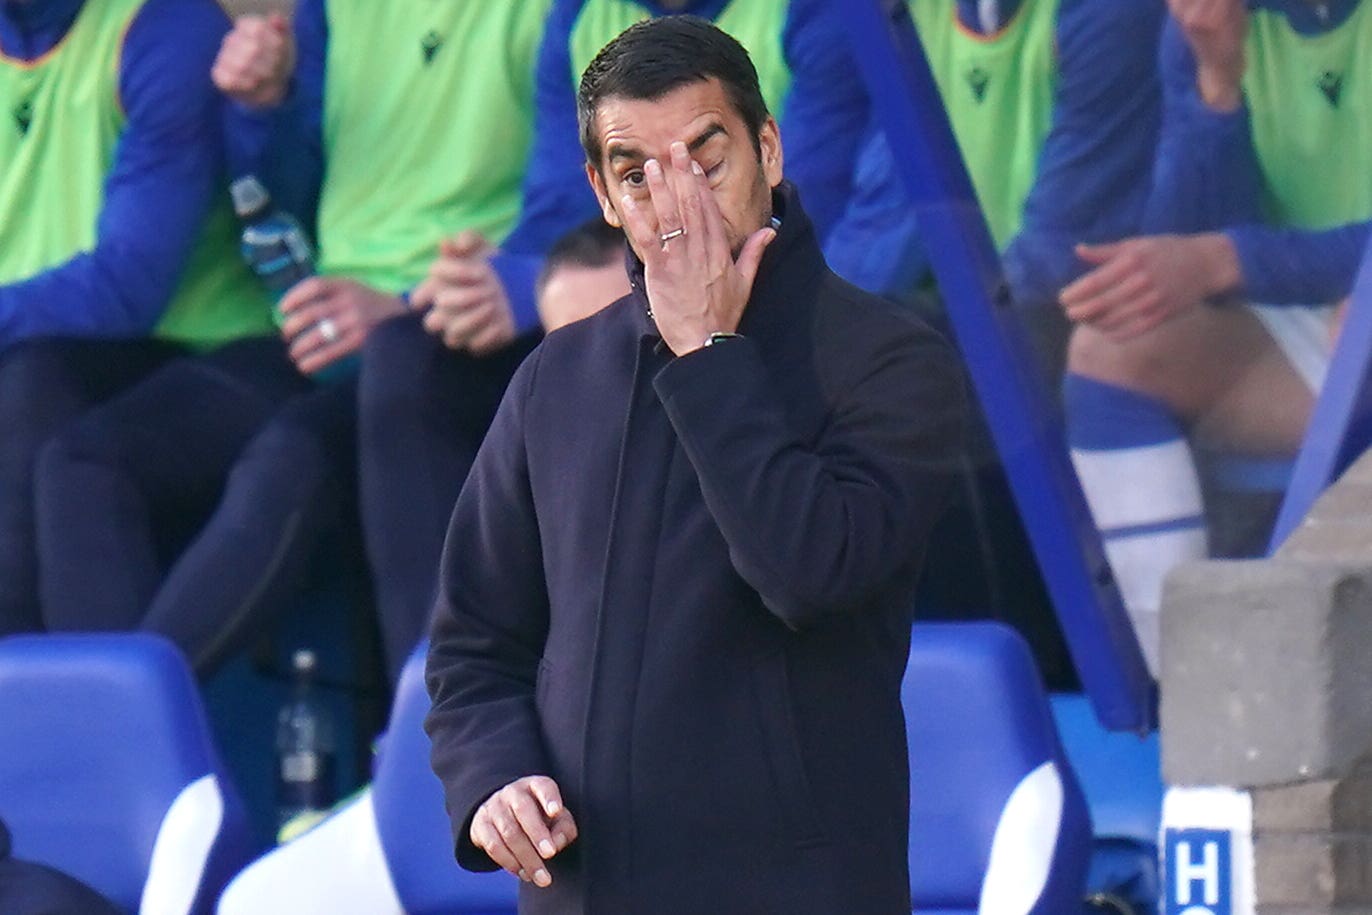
{"x":108,"y":771}
{"x":998,"y":823}
{"x":415,"y":834}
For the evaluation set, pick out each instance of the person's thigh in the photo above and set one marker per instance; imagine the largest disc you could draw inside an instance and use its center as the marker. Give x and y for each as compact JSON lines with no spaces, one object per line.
{"x":289,"y":486}
{"x":1217,"y":368}
{"x":44,"y":385}
{"x":174,"y":435}
{"x":123,"y":487}
{"x":423,"y":410}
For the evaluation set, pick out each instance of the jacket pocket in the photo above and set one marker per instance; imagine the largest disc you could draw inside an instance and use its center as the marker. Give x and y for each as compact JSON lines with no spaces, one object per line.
{"x":781,"y":740}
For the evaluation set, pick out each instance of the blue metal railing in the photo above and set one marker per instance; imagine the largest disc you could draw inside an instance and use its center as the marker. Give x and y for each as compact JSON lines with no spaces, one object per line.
{"x":1022,"y":417}
{"x":1341,"y":424}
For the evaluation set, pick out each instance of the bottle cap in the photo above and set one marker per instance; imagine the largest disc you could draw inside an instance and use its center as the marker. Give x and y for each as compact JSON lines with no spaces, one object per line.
{"x":249,"y":197}
{"x":303,"y":661}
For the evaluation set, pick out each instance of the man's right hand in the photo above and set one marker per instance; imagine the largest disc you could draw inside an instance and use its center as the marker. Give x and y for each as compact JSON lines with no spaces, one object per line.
{"x":256,"y":61}
{"x":1215,"y":30}
{"x":522,"y":825}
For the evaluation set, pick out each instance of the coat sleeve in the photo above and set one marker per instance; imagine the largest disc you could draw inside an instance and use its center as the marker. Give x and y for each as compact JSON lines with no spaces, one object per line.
{"x":489,"y":629}
{"x":821,"y":527}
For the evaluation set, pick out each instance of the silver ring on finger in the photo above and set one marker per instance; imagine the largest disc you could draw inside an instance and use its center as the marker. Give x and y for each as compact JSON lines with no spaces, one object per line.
{"x":328,"y":330}
{"x":668,"y":236}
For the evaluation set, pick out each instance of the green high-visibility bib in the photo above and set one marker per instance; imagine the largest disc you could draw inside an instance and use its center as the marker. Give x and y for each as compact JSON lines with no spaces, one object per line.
{"x":60,"y":121}
{"x":428,"y":113}
{"x":1310,"y":110}
{"x":998,"y":90}
{"x":756,"y":24}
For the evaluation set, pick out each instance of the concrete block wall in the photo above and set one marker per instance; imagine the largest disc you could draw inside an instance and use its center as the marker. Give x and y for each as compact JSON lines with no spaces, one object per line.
{"x":1267,"y":688}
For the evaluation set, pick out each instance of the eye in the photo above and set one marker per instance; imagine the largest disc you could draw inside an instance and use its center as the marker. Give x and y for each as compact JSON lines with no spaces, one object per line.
{"x":634,"y":178}
{"x":714,"y":170}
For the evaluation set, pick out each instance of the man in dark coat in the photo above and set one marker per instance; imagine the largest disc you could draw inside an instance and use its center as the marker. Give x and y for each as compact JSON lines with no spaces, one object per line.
{"x":676,"y":595}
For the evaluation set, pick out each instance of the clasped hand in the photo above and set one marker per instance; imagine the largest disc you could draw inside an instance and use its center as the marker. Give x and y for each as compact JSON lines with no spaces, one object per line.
{"x":695,"y":286}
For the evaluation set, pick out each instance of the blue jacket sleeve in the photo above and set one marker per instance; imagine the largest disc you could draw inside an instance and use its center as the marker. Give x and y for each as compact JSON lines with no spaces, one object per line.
{"x":1295,"y":267}
{"x":1092,"y":182}
{"x":1206,"y":175}
{"x":556,"y":195}
{"x":166,"y":169}
{"x":826,"y":110}
{"x":284,"y":146}
{"x":876,"y":243}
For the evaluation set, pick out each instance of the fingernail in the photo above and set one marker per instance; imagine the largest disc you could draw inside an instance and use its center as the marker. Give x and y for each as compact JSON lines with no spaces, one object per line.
{"x":561,"y":841}
{"x":541,"y":877}
{"x":652,"y":166}
{"x":546,"y":848}
{"x":523,"y":875}
{"x":695,"y":167}
{"x":554,"y":806}
{"x":628,"y":203}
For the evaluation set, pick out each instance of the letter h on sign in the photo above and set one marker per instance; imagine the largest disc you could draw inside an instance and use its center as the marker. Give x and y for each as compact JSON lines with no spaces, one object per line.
{"x":1198,"y":868}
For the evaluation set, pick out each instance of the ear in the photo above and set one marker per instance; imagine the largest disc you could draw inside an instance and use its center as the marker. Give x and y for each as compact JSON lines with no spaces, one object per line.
{"x":603,"y":195}
{"x":769,"y":141}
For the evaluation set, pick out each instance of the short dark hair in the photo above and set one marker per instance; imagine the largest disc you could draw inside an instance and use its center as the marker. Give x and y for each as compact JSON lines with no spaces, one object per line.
{"x":656,"y":56}
{"x":594,"y":243}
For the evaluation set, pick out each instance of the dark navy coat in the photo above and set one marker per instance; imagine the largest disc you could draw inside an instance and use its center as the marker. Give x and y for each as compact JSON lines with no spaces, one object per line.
{"x":682,"y":587}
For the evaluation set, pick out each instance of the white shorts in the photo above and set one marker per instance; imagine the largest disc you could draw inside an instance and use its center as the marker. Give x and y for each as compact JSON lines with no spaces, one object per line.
{"x":1305,"y":336}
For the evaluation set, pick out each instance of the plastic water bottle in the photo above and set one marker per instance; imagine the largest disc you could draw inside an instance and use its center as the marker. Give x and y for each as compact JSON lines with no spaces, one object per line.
{"x":274,"y":244}
{"x":304,"y":748}
{"x":277,"y":249}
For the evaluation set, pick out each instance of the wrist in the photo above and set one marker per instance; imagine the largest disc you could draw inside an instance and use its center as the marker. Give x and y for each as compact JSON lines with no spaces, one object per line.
{"x":1226,"y":276}
{"x":1220,"y":88}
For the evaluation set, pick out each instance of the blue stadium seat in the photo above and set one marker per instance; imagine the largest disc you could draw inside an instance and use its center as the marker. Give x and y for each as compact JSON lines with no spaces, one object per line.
{"x":998,"y":823}
{"x":388,"y":850}
{"x":108,"y":771}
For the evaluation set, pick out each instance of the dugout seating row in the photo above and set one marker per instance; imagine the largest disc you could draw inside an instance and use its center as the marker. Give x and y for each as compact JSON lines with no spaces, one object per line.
{"x":109,"y":773}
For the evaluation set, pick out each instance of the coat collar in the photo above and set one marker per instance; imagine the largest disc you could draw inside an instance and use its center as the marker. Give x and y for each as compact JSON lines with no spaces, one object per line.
{"x":791,"y":265}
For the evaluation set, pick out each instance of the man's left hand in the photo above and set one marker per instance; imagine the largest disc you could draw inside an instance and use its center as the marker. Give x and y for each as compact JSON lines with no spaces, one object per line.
{"x":467,"y":305}
{"x":328,"y":318}
{"x":1139,"y":283}
{"x":693,"y":283}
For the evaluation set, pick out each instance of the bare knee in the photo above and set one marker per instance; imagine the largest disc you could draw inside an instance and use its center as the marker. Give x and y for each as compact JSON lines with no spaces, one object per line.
{"x":1137,"y":364}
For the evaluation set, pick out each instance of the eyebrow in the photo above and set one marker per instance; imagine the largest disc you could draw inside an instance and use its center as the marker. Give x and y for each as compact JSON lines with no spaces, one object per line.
{"x":706,"y":135}
{"x":617,"y":151}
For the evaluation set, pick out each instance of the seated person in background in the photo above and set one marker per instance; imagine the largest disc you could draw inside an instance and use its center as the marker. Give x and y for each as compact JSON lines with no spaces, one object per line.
{"x":118,"y":250}
{"x":426,"y":394}
{"x":1054,"y":104}
{"x":584,"y":272}
{"x":392,"y":178}
{"x":1219,"y":328}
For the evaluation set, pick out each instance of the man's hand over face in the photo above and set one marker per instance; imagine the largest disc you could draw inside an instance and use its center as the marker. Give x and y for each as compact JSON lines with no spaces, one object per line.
{"x":327,"y":318}
{"x":693,"y":283}
{"x":1216,"y":30}
{"x":256,"y":61}
{"x":467,"y":304}
{"x":522,"y":825}
{"x":1139,"y":283}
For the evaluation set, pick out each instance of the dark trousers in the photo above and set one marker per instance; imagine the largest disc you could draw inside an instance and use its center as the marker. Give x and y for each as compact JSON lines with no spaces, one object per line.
{"x":423,"y":411}
{"x":191,"y":504}
{"x":44,"y":385}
